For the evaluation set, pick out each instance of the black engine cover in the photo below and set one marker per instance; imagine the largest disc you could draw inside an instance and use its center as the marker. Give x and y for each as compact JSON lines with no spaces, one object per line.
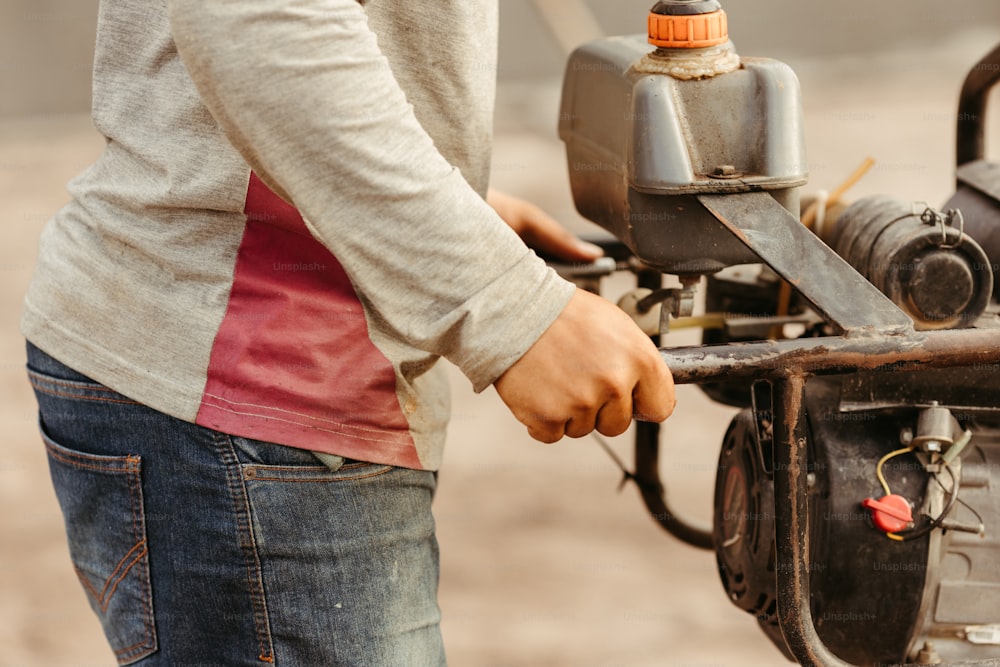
{"x":866,"y":588}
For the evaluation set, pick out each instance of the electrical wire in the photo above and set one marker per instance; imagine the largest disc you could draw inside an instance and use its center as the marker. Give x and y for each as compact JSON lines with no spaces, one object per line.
{"x":979,"y":517}
{"x":878,"y":468}
{"x":627,"y":474}
{"x":920,"y":532}
{"x":809,"y":216}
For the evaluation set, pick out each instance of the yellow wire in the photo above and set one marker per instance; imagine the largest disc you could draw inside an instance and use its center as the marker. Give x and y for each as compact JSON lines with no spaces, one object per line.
{"x":878,"y":468}
{"x":885,"y":485}
{"x":809,"y":216}
{"x":706,"y":321}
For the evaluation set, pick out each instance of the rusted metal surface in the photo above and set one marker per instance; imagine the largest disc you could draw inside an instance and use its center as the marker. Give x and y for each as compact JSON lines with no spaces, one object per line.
{"x":838,"y":293}
{"x":834,"y":355}
{"x":877,"y":337}
{"x":875,"y":340}
{"x":791,"y":526}
{"x":791,"y":501}
{"x":788,"y":364}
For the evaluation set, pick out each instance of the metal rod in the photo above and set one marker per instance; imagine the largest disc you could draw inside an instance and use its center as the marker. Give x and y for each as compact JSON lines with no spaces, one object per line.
{"x":971,"y":138}
{"x":833,"y":355}
{"x":792,"y":526}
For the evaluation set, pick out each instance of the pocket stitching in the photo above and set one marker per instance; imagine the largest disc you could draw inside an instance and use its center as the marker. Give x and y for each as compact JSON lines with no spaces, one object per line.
{"x":80,"y":397}
{"x":251,"y":474}
{"x":139,"y":530}
{"x":39,"y":380}
{"x":82,"y":384}
{"x":77,"y":460}
{"x":236,"y":484}
{"x":104,"y":596}
{"x":131,"y":470}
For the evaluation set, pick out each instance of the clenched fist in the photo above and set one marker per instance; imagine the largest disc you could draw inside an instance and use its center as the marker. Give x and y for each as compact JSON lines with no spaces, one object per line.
{"x":593,"y":368}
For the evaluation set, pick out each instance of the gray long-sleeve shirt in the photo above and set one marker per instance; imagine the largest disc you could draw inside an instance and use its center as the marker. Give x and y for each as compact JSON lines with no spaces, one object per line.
{"x":286,"y":228}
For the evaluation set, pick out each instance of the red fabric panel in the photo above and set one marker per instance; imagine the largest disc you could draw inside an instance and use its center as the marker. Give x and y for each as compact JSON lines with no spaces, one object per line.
{"x":292,"y":362}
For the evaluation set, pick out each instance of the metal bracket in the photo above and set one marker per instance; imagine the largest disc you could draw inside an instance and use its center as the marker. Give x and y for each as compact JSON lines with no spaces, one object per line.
{"x":834,"y":288}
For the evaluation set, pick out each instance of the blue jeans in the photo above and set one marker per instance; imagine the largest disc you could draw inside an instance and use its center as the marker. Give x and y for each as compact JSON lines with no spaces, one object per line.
{"x":199,"y":548}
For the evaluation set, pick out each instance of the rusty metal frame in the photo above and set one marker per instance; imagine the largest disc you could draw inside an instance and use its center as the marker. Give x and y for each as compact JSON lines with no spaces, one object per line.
{"x":875,"y":336}
{"x":788,"y":365}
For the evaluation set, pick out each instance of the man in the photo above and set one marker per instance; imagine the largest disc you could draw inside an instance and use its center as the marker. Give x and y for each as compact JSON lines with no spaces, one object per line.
{"x":286,"y":230}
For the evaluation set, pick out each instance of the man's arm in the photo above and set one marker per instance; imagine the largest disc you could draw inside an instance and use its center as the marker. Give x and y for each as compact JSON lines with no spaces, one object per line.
{"x":560,"y":386}
{"x":304,"y":93}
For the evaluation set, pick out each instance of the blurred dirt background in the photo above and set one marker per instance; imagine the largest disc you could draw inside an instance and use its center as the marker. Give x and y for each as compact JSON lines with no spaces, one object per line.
{"x":545,"y":562}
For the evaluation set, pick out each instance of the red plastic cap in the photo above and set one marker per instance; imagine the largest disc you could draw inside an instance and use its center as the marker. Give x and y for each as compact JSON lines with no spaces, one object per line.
{"x":890,"y":513}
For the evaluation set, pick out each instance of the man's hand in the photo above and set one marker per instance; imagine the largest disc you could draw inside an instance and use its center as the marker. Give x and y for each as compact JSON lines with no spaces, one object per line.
{"x":539,"y":230}
{"x":593,"y":368}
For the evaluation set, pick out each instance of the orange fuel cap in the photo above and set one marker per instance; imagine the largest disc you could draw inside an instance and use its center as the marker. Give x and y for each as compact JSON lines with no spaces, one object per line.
{"x":688,"y":32}
{"x":684,"y":24}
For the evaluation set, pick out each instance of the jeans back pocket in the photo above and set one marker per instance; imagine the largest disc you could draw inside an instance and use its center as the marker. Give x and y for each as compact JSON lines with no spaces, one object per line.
{"x":101,"y":500}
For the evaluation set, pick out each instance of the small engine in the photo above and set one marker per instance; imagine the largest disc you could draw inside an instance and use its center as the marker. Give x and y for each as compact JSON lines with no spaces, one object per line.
{"x":856,"y":516}
{"x":877,"y":596}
